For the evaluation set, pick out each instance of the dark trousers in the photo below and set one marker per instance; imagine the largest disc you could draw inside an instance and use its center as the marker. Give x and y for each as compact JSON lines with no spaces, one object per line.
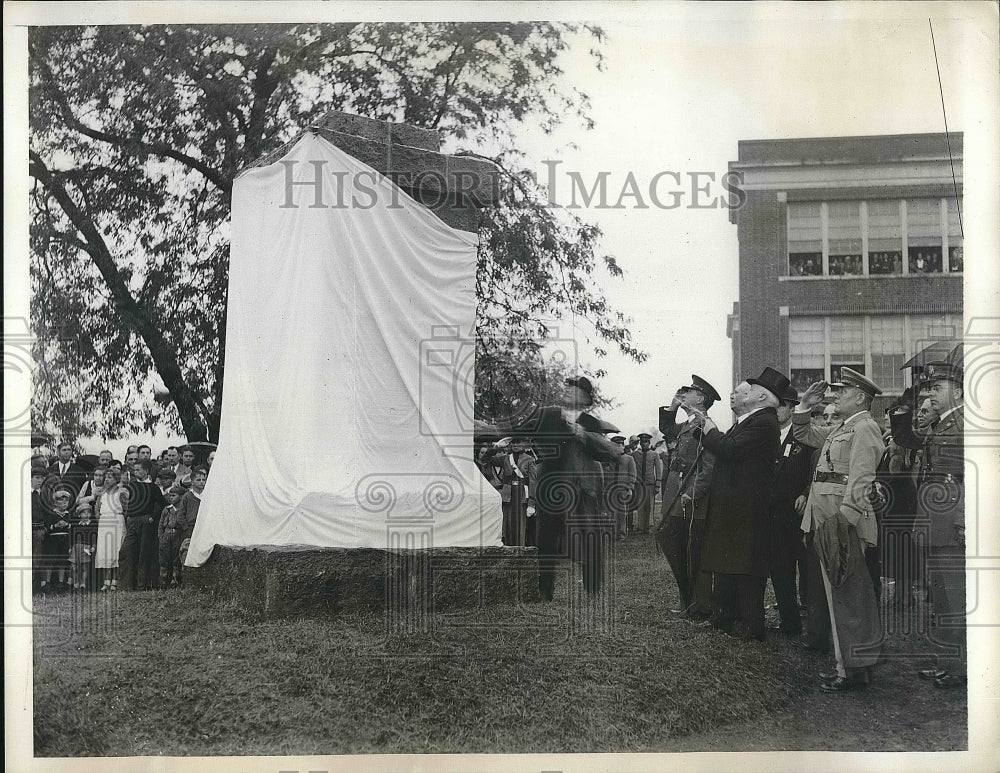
{"x":946,"y":572}
{"x":582,"y":537}
{"x":681,"y":540}
{"x":170,"y":556}
{"x":818,"y":630}
{"x":786,"y":550}
{"x":137,"y":558}
{"x":739,"y":605}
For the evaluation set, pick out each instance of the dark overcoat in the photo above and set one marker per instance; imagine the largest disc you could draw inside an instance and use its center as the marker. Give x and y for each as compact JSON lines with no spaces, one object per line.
{"x":739,"y":498}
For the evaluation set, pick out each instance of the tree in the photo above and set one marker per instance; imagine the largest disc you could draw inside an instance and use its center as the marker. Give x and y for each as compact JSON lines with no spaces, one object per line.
{"x":136,"y":135}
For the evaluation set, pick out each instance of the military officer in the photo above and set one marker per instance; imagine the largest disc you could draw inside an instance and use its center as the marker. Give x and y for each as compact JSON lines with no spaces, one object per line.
{"x":842,"y":521}
{"x":941,"y":512}
{"x":649,"y":470}
{"x":620,"y":495}
{"x":681,"y":533}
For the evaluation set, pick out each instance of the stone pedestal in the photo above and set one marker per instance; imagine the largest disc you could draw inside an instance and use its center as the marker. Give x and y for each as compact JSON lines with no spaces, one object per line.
{"x":408,"y":585}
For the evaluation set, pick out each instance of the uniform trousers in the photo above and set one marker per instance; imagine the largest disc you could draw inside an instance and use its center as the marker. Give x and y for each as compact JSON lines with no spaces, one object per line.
{"x":644,"y":507}
{"x":137,"y":557}
{"x":681,"y":540}
{"x":739,"y":605}
{"x":946,"y":569}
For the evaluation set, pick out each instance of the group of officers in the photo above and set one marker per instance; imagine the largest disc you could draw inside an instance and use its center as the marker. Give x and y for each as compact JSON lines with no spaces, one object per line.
{"x":775,"y":493}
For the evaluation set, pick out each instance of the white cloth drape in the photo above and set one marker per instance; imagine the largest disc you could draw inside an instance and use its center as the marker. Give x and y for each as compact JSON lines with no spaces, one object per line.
{"x":347,"y":412}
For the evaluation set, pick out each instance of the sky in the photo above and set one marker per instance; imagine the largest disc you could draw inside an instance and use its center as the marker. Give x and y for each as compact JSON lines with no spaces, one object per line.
{"x":678,"y":95}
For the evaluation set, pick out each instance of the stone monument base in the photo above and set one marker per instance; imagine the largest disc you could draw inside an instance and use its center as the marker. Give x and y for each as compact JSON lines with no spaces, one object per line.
{"x":302,"y":581}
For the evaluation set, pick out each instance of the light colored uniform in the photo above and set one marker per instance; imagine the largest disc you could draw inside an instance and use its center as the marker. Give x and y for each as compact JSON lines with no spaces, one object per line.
{"x":839,"y":514}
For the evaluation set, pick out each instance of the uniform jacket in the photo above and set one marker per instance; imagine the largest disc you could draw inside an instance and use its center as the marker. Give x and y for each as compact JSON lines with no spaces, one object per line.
{"x":941,"y":487}
{"x":688,"y":443}
{"x":568,"y":483}
{"x":648,"y":466}
{"x":739,"y":496}
{"x":852,"y":448}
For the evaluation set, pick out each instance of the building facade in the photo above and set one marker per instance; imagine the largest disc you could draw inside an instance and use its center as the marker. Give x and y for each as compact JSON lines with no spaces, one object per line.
{"x":850,"y":253}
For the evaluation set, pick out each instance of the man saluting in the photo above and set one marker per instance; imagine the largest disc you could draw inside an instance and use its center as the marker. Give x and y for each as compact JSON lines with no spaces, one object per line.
{"x":840,"y":517}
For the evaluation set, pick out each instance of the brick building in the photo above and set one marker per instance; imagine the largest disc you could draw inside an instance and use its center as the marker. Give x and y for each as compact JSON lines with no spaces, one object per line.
{"x":850,"y":253}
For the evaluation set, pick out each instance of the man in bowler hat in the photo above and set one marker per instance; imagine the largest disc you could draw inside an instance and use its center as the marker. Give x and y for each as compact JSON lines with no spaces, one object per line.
{"x":739,"y":499}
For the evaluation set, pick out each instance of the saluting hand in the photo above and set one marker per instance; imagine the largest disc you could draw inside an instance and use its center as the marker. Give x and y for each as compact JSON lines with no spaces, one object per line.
{"x":813,"y":396}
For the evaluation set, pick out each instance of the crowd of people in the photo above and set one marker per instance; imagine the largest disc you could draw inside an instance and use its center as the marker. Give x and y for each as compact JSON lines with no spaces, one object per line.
{"x":98,"y":522}
{"x":805,"y":490}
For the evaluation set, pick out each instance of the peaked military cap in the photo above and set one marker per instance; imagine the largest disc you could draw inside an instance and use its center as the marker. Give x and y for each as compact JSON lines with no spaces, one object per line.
{"x":697,"y":382}
{"x":791,"y":396}
{"x":851,"y":378}
{"x":641,"y":435}
{"x":619,"y":439}
{"x":774,"y":382}
{"x":934,"y":371}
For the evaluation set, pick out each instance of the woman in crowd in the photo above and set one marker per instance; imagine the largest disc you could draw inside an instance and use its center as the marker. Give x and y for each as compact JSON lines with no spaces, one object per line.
{"x":90,"y":491}
{"x":110,"y":527}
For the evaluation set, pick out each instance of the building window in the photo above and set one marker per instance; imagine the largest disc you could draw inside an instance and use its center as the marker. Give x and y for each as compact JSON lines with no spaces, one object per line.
{"x":805,"y":239}
{"x":923,"y":228}
{"x":845,"y":238}
{"x":885,"y":238}
{"x":819,"y":347}
{"x":954,"y":237}
{"x":806,"y":347}
{"x":888,"y":348}
{"x":847,"y":345}
{"x":853,"y":238}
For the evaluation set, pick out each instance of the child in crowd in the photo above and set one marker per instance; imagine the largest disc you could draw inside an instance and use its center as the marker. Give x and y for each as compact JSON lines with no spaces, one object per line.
{"x":83,"y":546}
{"x":56,"y":542}
{"x":165,"y":480}
{"x":171,"y":532}
{"x":187,"y":509}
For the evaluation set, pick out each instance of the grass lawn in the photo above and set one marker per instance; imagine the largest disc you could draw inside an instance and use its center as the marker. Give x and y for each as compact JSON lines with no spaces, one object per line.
{"x":163,"y":672}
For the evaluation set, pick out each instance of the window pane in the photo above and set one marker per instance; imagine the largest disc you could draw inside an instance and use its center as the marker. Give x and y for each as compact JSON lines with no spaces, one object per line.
{"x":805,"y":351}
{"x":888,"y":352}
{"x":805,"y":239}
{"x":885,"y":237}
{"x":923,"y":231}
{"x":847,"y":338}
{"x":845,"y":237}
{"x":954,"y":237}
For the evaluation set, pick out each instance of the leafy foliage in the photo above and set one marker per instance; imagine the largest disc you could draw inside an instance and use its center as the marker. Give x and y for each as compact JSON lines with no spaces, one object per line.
{"x":138,"y":132}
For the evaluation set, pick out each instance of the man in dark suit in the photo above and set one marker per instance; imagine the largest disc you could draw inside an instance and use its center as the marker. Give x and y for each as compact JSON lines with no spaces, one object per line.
{"x":739,"y":499}
{"x":567,"y":492}
{"x":64,"y":472}
{"x":788,"y":503}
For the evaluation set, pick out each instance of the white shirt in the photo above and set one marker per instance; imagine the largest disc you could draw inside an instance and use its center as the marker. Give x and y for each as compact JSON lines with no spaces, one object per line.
{"x":784,"y":433}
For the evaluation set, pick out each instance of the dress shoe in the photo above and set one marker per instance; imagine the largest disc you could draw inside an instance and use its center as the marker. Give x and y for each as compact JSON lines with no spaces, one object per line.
{"x":932,"y":674}
{"x":950,"y":680}
{"x":829,"y":676}
{"x":842,"y":684}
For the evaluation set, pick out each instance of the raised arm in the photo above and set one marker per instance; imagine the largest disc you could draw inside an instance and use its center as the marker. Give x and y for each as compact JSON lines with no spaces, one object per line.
{"x":807,"y":434}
